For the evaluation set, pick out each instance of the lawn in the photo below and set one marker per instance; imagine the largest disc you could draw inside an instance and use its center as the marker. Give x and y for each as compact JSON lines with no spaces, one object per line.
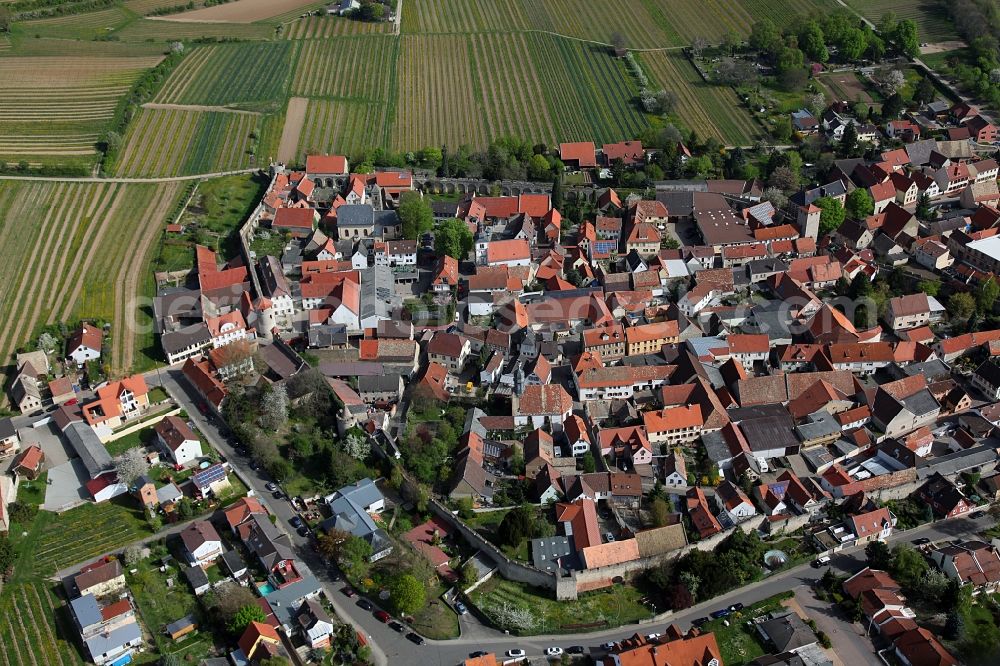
{"x":612,"y":607}
{"x":738,"y":643}
{"x":436,"y":620}
{"x":160,"y":603}
{"x":143,"y":437}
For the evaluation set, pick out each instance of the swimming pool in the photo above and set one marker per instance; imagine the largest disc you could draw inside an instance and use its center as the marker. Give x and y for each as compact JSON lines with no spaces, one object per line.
{"x":265,"y":589}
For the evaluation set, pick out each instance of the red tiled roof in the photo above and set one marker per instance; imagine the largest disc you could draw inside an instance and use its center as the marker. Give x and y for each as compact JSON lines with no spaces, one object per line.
{"x":581,"y":152}
{"x":326,"y":164}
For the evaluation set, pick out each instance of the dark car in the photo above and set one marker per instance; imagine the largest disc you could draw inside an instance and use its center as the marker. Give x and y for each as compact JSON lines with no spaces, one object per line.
{"x":576,"y":649}
{"x":736,"y":607}
{"x":478,"y":653}
{"x":396,"y":626}
{"x":921,"y":541}
{"x":303,"y":531}
{"x":364,"y":604}
{"x":296,"y":521}
{"x":415,"y":638}
{"x":722,"y":612}
{"x":277,"y":494}
{"x":348,"y":591}
{"x":700,"y":621}
{"x":382,"y":616}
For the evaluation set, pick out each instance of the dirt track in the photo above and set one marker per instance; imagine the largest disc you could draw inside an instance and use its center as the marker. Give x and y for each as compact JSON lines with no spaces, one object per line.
{"x":295,"y":118}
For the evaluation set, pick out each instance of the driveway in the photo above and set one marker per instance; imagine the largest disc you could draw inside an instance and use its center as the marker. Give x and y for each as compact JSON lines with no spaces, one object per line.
{"x":849,"y":641}
{"x":65,"y":486}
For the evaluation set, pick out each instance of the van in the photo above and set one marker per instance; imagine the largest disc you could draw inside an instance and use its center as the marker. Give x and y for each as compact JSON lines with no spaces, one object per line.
{"x":821,"y":561}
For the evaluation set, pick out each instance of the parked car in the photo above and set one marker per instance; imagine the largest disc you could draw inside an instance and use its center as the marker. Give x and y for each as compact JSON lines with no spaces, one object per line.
{"x":478,"y":653}
{"x":653,"y":636}
{"x":382,"y":616}
{"x":460,"y":607}
{"x":271,"y":486}
{"x":277,"y":495}
{"x":700,"y":621}
{"x":303,"y":531}
{"x":415,"y":638}
{"x":515,"y":653}
{"x":610,"y":645}
{"x":553,"y":652}
{"x":722,"y":612}
{"x":576,"y":649}
{"x":296,"y":522}
{"x":397,"y":627}
{"x":736,"y":607}
{"x":348,"y":591}
{"x":821,"y":561}
{"x":921,"y":541}
{"x":609,"y":537}
{"x":364,"y":604}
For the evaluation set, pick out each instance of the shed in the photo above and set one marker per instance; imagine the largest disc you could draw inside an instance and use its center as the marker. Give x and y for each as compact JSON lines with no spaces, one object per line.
{"x":181,"y":627}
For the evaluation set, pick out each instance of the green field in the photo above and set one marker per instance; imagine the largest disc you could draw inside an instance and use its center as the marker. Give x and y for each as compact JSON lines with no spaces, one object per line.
{"x":346,"y":127}
{"x":615,"y":606}
{"x":59,"y":264}
{"x":52,"y":109}
{"x":234,"y":74}
{"x":708,"y":109}
{"x":931,"y":16}
{"x":35,"y":626}
{"x":357,"y":68}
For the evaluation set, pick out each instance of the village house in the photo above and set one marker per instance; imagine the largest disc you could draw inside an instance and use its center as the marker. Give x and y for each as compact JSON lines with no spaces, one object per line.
{"x":178,"y":440}
{"x":85,"y":344}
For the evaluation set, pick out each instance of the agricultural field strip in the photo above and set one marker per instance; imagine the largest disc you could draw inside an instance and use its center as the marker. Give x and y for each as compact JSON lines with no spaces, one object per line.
{"x":315,"y":27}
{"x":130,"y":273}
{"x":346,"y":126}
{"x":44,"y":229}
{"x":244,"y":72}
{"x":55,"y":279}
{"x":70,"y":298}
{"x":177,"y":83}
{"x":321,"y":66}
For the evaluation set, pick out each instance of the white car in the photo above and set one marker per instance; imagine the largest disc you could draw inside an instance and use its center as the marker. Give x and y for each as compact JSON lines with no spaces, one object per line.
{"x":653,"y":636}
{"x":516,"y":653}
{"x":553,"y":652}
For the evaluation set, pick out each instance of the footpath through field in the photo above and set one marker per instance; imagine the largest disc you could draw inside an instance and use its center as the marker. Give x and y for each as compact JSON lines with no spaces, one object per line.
{"x":198,"y":107}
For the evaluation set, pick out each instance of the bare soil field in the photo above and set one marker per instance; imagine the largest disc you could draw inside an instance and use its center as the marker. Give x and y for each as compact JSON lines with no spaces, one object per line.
{"x":941,"y":47}
{"x":844,"y":87}
{"x":295,"y":118}
{"x":241,"y":11}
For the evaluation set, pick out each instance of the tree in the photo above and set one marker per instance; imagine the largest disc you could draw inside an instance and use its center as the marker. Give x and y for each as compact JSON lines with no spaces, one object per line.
{"x":893,"y":106}
{"x":407,"y":594}
{"x":679,"y":597}
{"x":859,"y":204}
{"x":47,"y":342}
{"x":372,"y":11}
{"x":452,"y":238}
{"x":853,"y":44}
{"x":229,"y":598}
{"x":887,"y":25}
{"x":961,"y":305}
{"x":516,"y":526}
{"x":812,"y":43}
{"x":356,"y":444}
{"x":698,"y":44}
{"x":557,"y":192}
{"x":274,"y":407}
{"x":783,"y":179}
{"x":765,"y":37}
{"x":415,"y":215}
{"x":660,"y":512}
{"x":954,"y":626}
{"x":244,"y":616}
{"x":987,"y":296}
{"x":588,"y":462}
{"x":130,"y":465}
{"x":329,"y":543}
{"x":776,"y":197}
{"x":832,"y":215}
{"x":879,"y":556}
{"x":354,"y":554}
{"x":470,"y":574}
{"x":908,"y":566}
{"x":617,"y":40}
{"x":929,"y":287}
{"x":816,"y":102}
{"x":849,"y":140}
{"x":539,"y":168}
{"x":7,"y":555}
{"x":924,"y":210}
{"x":906,"y":38}
{"x":924,"y":92}
{"x":185,"y":509}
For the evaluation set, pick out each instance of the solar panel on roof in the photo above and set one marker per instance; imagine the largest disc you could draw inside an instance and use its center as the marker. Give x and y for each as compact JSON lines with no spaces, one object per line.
{"x":210,"y":475}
